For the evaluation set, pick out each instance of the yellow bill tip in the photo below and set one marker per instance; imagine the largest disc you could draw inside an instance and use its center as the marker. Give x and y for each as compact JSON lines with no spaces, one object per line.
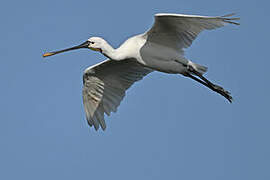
{"x":47,"y":54}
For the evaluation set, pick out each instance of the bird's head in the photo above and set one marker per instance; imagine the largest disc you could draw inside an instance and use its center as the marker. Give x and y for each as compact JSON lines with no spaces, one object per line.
{"x":93,"y":43}
{"x":96,"y":44}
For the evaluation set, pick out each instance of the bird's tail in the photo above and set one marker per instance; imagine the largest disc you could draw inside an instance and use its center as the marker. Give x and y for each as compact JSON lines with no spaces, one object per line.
{"x":201,"y":69}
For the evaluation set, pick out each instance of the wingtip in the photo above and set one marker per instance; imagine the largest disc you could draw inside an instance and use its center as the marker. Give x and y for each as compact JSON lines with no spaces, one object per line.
{"x":231,"y":22}
{"x":103,"y":128}
{"x":229,"y":15}
{"x":96,"y":127}
{"x":226,"y":18}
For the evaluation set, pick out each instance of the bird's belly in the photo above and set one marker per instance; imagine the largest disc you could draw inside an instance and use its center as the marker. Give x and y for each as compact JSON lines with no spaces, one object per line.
{"x":172,"y":67}
{"x":162,"y":59}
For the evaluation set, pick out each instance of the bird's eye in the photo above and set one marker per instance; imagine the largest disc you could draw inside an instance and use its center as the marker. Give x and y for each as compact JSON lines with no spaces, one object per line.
{"x":91,"y":42}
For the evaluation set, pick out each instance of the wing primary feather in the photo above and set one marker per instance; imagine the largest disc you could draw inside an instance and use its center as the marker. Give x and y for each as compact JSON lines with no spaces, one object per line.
{"x":100,"y":117}
{"x":86,"y":107}
{"x":96,"y":124}
{"x":229,"y":15}
{"x":231,"y":22}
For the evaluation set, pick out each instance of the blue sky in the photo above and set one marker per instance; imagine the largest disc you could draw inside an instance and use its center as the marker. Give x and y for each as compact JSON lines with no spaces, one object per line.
{"x":167,"y":127}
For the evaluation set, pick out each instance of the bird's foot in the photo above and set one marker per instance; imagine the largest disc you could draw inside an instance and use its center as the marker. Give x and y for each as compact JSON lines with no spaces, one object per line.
{"x":222,"y":92}
{"x":209,"y":84}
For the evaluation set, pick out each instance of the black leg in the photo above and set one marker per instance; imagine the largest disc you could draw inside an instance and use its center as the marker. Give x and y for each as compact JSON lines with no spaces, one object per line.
{"x":210,"y":85}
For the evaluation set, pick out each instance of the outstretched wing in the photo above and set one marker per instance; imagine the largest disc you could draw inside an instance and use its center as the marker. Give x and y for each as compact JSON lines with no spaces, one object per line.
{"x":177,"y":31}
{"x":104,"y":87}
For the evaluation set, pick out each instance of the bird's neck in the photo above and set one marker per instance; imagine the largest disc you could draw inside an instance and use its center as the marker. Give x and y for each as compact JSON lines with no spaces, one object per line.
{"x":114,"y":54}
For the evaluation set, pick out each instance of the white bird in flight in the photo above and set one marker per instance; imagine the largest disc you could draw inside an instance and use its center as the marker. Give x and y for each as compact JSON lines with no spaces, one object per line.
{"x":161,"y":48}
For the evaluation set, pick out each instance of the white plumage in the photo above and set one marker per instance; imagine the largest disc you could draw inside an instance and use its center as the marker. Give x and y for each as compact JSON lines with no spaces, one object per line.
{"x":161,"y":48}
{"x":105,"y":85}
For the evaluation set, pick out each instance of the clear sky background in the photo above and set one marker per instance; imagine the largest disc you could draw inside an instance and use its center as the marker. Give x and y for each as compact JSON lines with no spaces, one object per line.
{"x":167,"y":127}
